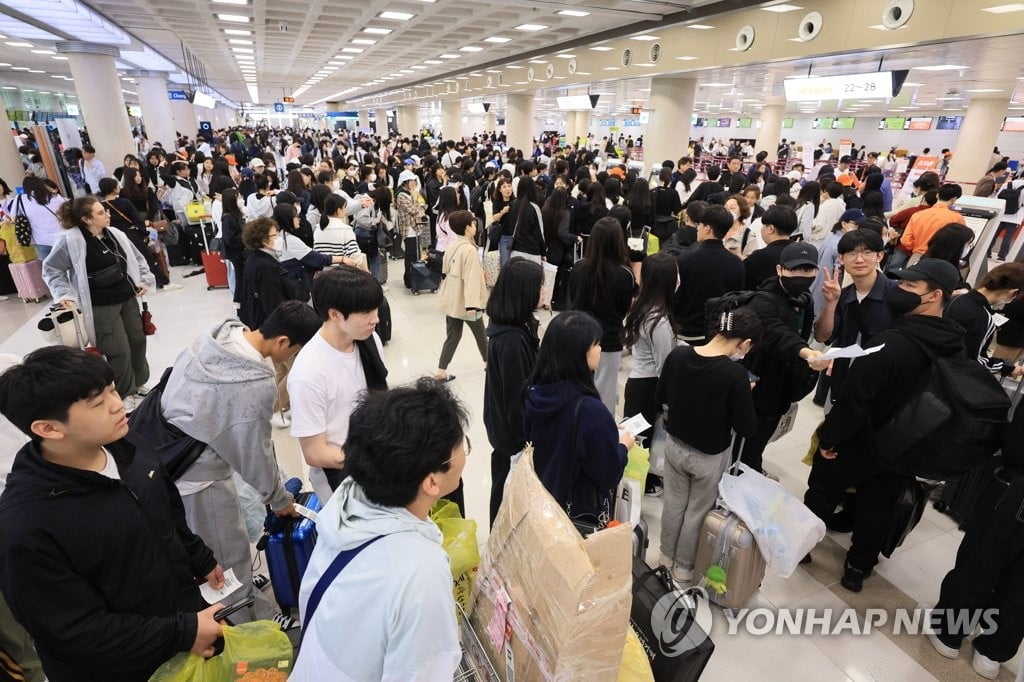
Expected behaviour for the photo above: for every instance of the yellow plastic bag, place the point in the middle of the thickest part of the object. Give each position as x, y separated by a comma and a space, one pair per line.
638, 463
653, 245
461, 545
813, 447
636, 667
253, 652
195, 211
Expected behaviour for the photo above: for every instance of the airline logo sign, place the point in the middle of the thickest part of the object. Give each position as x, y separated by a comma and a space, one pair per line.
859, 86
177, 94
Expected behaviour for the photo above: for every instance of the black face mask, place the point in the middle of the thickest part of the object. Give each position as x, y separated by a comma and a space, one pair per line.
795, 286
901, 301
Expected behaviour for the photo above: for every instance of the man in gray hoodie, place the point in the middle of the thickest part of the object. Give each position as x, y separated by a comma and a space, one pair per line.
222, 391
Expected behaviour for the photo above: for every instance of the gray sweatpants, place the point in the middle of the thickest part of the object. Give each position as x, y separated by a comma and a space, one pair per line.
690, 490
606, 378
214, 515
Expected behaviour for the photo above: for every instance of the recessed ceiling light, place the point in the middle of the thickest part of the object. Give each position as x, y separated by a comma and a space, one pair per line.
244, 50
237, 32
59, 57
940, 67
513, 66
329, 68
602, 48
16, 43
8, 87
19, 68
686, 58
344, 57
497, 39
363, 41
449, 56
41, 52
573, 13
566, 56
611, 68
781, 8
432, 61
35, 71
701, 27
239, 41
230, 2
471, 48
234, 18
397, 16
378, 31
643, 37
353, 50
537, 61
531, 27
1005, 9
985, 90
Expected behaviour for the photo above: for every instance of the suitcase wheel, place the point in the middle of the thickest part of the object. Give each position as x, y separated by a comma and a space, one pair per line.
415, 292
940, 506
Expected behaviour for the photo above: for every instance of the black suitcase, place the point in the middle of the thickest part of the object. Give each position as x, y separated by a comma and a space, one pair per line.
384, 321
423, 279
677, 647
176, 255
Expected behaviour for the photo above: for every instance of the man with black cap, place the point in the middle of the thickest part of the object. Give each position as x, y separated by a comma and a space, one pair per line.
783, 303
874, 387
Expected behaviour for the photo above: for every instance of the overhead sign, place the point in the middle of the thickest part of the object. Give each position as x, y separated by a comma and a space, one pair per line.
72, 109
279, 107
177, 94
288, 100
134, 110
858, 86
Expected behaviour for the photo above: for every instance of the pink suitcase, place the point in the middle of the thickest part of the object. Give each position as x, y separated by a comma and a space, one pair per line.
28, 277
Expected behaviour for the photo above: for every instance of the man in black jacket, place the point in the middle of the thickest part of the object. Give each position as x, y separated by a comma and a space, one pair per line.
779, 361
874, 387
708, 187
96, 560
777, 227
706, 270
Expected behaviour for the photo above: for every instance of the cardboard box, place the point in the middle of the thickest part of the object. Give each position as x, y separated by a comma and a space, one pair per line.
547, 604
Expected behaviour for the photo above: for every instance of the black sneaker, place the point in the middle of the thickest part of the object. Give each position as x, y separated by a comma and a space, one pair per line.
807, 559
853, 578
841, 521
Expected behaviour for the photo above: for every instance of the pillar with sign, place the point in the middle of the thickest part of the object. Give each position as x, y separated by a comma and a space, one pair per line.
185, 120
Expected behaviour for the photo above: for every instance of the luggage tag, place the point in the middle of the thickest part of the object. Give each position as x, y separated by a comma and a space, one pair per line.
306, 512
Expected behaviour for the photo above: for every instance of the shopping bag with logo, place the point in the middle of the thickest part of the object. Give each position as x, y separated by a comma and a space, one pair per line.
630, 493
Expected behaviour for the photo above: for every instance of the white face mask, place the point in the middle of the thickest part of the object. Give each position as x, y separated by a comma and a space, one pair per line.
737, 356
372, 178
735, 215
278, 246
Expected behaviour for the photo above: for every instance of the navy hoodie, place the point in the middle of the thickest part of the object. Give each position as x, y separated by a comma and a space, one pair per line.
581, 480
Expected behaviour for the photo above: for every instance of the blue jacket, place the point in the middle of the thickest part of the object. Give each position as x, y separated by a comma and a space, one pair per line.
584, 479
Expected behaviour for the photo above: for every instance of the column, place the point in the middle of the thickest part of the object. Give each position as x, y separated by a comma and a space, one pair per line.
185, 120
101, 100
978, 134
408, 120
770, 133
490, 122
519, 122
668, 133
382, 121
582, 124
451, 119
11, 169
570, 127
364, 118
156, 107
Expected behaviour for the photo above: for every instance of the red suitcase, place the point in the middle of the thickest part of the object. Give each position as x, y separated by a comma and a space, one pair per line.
28, 277
216, 270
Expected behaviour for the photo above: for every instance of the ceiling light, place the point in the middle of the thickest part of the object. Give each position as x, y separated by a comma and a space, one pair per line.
328, 68
497, 39
8, 87
701, 27
59, 57
602, 48
42, 51
417, 66
344, 56
432, 61
531, 27
611, 68
513, 66
985, 90
573, 13
19, 68
940, 67
230, 2
643, 37
537, 61
243, 50
781, 8
471, 48
1005, 9
240, 41
378, 31
237, 32
686, 58
566, 56
16, 43
406, 71
354, 50
363, 41
35, 71
449, 56
397, 16
234, 18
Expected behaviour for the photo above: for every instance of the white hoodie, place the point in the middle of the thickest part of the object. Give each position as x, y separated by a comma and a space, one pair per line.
390, 614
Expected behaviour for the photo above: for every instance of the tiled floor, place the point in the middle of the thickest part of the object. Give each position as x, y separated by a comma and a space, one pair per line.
911, 577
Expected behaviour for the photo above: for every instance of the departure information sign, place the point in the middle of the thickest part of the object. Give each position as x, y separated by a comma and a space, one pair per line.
858, 86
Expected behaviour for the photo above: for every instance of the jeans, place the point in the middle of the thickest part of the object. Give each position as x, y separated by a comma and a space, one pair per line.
42, 251
412, 254
374, 265
606, 378
505, 249
454, 335
120, 337
691, 487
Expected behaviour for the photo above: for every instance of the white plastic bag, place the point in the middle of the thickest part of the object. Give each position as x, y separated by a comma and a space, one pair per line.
784, 528
659, 440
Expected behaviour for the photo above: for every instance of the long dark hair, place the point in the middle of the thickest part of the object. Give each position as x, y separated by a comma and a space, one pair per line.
556, 206
383, 200
606, 251
332, 204
37, 189
130, 189
809, 194
596, 198
516, 293
229, 201
447, 200
526, 194
639, 201
948, 243
659, 275
563, 352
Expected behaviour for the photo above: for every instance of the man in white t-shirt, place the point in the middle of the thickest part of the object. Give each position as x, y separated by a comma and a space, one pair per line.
340, 361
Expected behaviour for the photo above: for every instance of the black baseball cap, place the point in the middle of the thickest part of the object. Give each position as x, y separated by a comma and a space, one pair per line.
799, 254
942, 274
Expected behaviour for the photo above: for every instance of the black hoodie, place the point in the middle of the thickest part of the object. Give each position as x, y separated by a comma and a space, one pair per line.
879, 383
511, 356
101, 573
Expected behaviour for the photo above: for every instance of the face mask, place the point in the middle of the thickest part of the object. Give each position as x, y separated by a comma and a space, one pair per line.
901, 301
351, 173
372, 178
735, 215
278, 246
737, 356
795, 286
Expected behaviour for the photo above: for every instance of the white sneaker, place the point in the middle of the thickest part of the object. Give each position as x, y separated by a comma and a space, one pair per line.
947, 651
286, 622
280, 420
172, 286
142, 391
985, 666
683, 576
4, 298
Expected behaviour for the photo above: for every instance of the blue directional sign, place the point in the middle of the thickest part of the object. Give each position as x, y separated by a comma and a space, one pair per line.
279, 107
177, 94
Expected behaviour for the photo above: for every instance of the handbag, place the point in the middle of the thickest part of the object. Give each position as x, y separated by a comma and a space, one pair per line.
171, 235
108, 276
906, 514
22, 227
492, 268
148, 328
195, 211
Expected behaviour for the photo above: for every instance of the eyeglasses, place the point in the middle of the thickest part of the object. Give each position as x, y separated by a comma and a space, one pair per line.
861, 254
468, 451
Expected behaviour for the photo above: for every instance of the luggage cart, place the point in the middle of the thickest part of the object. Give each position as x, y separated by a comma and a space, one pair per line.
475, 666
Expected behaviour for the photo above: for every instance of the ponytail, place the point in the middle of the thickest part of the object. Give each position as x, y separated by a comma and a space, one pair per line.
72, 213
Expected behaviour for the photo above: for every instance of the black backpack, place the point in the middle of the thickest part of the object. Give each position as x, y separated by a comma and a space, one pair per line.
477, 198
951, 422
1011, 196
149, 431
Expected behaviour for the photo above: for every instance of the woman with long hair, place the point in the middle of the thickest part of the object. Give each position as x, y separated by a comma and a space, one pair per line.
557, 224
975, 310
590, 211
232, 248
579, 452
334, 236
602, 284
527, 225
447, 203
40, 204
951, 243
96, 269
807, 202
511, 354
499, 220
